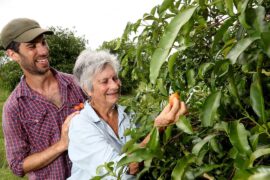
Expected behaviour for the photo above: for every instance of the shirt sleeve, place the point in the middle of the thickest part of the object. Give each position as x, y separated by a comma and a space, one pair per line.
16, 144
88, 148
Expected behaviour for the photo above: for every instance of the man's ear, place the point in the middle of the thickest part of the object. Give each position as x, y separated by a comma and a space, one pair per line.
13, 55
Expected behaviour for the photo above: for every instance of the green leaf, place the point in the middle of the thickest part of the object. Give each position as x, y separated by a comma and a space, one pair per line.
167, 40
220, 32
204, 68
206, 168
127, 31
209, 109
221, 126
261, 173
137, 156
165, 5
221, 68
191, 77
241, 161
242, 18
184, 124
215, 145
119, 40
258, 153
181, 166
167, 134
153, 143
254, 140
197, 148
238, 137
259, 21
153, 10
233, 89
171, 63
161, 87
240, 47
149, 17
219, 5
229, 6
257, 173
257, 98
265, 37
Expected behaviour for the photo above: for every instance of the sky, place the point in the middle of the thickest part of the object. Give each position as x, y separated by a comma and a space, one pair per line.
96, 20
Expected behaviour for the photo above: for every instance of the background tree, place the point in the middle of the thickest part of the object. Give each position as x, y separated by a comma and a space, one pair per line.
65, 47
127, 56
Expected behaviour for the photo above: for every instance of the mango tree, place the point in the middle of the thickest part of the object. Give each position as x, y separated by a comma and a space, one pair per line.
215, 53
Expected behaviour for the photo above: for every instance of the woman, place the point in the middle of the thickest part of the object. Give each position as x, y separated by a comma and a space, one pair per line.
97, 133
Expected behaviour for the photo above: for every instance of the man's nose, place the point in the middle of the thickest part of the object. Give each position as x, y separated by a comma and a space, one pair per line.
42, 49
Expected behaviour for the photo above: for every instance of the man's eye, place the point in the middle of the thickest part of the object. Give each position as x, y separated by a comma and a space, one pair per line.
44, 42
32, 46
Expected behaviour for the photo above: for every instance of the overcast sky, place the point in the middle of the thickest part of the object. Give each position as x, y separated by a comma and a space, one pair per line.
98, 20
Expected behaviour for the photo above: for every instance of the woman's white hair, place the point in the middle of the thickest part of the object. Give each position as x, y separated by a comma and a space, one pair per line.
89, 63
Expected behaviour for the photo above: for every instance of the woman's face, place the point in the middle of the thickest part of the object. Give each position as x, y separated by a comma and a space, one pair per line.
106, 87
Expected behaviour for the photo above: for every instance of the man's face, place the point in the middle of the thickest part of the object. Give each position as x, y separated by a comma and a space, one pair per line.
33, 57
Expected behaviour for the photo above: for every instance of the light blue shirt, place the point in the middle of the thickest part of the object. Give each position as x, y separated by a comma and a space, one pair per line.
93, 142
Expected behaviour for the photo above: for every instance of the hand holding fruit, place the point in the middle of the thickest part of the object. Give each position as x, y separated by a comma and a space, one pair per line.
171, 112
172, 97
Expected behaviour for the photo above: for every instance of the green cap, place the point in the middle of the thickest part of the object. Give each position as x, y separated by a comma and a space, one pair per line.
21, 30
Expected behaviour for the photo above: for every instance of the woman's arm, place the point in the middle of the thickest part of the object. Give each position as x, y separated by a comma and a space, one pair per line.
168, 116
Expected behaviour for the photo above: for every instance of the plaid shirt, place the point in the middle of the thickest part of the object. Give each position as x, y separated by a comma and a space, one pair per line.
31, 124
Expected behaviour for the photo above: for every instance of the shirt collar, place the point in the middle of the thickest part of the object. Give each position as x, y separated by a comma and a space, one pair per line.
25, 90
96, 118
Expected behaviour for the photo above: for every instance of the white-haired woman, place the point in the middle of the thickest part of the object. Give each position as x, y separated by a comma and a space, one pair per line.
97, 133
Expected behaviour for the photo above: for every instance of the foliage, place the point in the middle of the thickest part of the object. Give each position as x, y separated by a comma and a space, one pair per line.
64, 49
125, 54
216, 54
10, 74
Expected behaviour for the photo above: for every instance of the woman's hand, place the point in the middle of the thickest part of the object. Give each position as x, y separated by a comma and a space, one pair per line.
171, 113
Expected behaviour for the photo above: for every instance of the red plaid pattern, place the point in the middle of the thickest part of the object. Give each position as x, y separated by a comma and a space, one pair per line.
32, 124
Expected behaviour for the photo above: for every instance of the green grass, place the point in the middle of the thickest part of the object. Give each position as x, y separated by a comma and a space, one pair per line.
5, 173
3, 96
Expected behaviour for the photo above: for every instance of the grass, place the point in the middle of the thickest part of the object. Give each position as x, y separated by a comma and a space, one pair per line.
5, 172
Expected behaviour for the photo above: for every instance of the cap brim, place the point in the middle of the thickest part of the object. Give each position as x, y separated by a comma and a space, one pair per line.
31, 35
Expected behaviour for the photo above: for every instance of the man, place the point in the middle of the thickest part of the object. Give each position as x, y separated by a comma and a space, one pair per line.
35, 116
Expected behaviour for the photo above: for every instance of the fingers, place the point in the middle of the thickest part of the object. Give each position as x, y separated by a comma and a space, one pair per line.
171, 113
183, 109
176, 106
66, 124
69, 117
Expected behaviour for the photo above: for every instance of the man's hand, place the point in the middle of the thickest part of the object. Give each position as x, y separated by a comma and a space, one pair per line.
64, 140
41, 159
